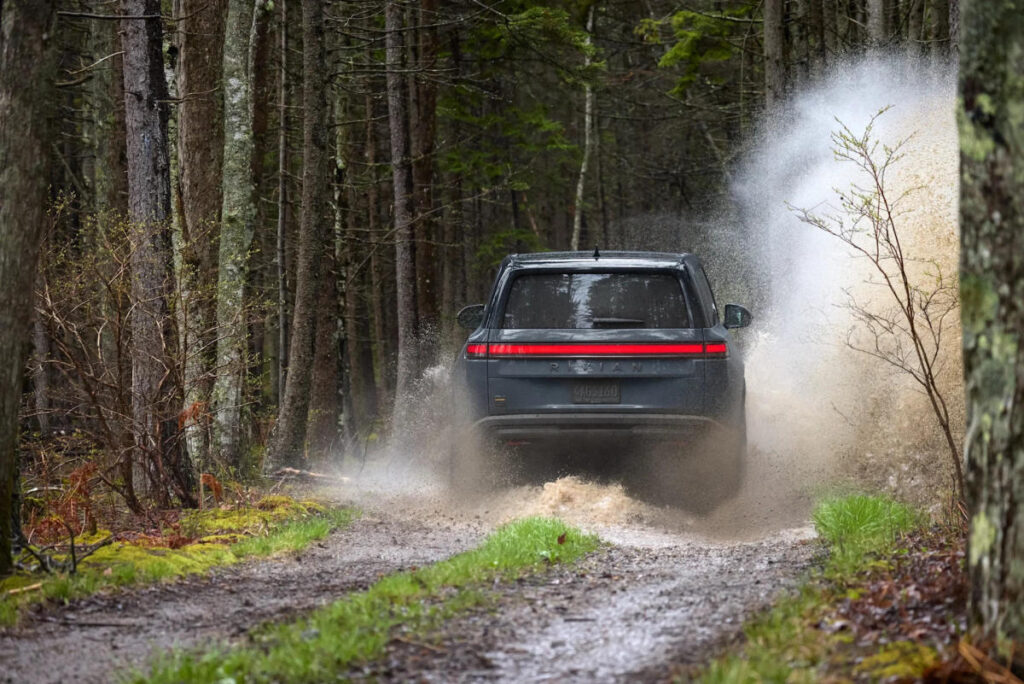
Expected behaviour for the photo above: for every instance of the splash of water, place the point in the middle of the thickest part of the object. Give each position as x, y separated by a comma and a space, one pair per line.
814, 403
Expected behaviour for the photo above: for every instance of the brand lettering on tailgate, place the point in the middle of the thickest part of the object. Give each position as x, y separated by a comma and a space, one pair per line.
589, 366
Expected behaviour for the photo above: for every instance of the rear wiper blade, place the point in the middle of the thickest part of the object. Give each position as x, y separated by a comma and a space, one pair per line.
618, 322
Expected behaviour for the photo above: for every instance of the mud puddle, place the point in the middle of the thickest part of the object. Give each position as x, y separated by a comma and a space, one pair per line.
624, 614
90, 639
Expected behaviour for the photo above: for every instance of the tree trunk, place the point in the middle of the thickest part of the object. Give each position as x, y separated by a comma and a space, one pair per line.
954, 29
816, 37
915, 26
378, 292
588, 140
940, 28
774, 46
262, 280
283, 207
27, 71
237, 215
876, 23
200, 155
323, 395
992, 286
424, 132
405, 273
290, 431
156, 401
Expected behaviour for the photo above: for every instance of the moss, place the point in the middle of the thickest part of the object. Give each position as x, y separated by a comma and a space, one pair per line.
903, 660
247, 520
274, 525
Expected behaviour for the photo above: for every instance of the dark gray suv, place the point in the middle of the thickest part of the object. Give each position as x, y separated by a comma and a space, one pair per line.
625, 351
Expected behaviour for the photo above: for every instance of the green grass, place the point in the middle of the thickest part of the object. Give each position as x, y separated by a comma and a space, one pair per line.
358, 628
857, 526
783, 644
272, 526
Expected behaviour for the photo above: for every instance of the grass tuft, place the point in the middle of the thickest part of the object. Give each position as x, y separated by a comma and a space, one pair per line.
858, 526
358, 628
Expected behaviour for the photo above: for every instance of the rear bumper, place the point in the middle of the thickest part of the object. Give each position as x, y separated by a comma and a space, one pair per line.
568, 426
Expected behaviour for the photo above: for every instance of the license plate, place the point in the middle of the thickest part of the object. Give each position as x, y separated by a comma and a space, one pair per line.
596, 392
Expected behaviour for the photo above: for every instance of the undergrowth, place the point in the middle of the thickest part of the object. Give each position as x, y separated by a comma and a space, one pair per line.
206, 539
785, 644
358, 628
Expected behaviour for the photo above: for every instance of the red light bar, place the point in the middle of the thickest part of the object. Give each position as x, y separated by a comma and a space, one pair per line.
479, 351
507, 350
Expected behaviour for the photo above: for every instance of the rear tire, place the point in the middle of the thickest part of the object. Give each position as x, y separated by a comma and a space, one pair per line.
702, 476
475, 463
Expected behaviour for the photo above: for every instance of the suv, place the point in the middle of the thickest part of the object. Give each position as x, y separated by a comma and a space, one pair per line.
619, 350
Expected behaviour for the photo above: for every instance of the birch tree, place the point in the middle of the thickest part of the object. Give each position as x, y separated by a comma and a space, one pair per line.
588, 134
27, 66
992, 286
237, 216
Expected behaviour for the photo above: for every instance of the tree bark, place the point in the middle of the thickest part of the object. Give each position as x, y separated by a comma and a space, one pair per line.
424, 132
283, 208
774, 47
238, 214
27, 96
992, 287
940, 27
290, 431
200, 156
405, 272
156, 401
876, 23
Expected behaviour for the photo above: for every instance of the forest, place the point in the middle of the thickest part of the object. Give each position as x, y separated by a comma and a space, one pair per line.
236, 233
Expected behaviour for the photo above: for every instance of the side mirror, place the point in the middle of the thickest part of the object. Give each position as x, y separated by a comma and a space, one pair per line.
737, 316
471, 317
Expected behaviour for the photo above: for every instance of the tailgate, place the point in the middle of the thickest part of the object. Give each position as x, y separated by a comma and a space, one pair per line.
543, 370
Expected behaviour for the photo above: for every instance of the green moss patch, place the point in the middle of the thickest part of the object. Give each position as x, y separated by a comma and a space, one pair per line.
357, 629
214, 537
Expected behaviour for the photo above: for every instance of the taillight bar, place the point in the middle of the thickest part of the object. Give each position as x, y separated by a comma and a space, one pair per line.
506, 350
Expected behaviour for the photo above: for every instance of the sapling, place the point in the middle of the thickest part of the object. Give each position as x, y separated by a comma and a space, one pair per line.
905, 328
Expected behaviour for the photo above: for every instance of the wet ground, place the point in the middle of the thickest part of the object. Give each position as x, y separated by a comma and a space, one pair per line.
88, 640
624, 614
668, 591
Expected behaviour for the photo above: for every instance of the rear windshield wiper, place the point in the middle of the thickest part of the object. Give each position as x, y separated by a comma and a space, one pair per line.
618, 323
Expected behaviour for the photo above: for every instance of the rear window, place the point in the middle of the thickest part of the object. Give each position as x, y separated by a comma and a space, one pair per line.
596, 300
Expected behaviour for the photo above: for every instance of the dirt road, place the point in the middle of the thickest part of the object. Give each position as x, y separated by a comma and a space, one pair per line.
665, 592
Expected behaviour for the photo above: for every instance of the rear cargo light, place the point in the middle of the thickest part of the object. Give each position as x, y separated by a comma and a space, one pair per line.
476, 351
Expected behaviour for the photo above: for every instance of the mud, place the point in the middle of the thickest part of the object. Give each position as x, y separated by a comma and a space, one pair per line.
624, 614
90, 639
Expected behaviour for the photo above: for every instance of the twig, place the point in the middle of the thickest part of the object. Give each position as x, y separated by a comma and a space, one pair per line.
22, 590
410, 642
